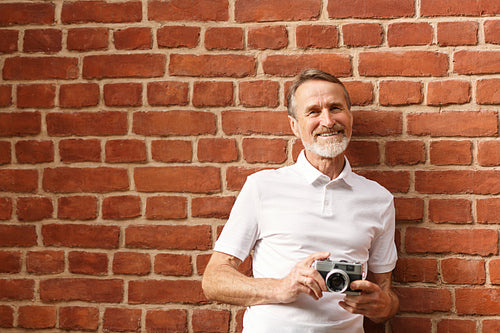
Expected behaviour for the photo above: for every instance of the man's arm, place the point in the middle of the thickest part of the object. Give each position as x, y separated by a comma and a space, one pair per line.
377, 300
222, 282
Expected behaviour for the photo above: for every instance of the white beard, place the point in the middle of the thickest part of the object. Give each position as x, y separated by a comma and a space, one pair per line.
328, 150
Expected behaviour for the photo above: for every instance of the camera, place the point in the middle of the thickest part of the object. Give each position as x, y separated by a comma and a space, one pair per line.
338, 275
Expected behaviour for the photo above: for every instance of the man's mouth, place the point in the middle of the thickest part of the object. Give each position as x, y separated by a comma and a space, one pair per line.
327, 134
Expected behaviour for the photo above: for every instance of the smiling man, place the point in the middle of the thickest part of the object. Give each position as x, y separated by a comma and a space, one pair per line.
295, 217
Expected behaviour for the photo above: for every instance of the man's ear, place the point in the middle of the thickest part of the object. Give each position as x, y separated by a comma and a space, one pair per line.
294, 125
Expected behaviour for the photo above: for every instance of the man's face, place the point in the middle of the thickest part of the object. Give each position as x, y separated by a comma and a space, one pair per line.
323, 120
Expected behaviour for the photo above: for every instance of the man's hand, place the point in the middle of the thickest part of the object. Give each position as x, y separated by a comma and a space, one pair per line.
302, 279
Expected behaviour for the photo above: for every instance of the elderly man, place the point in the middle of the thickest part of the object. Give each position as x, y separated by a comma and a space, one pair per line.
296, 215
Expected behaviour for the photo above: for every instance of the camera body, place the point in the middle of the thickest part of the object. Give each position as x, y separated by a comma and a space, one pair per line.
338, 275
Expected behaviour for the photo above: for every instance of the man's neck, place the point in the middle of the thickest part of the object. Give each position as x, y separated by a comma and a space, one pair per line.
331, 167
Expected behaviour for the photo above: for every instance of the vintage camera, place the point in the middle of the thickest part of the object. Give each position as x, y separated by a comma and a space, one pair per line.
338, 275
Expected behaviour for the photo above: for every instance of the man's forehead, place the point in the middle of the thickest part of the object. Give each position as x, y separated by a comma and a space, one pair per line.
311, 90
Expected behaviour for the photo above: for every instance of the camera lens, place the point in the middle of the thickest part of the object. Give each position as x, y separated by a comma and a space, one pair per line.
337, 281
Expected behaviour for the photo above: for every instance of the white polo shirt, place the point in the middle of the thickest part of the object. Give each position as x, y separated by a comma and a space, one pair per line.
289, 213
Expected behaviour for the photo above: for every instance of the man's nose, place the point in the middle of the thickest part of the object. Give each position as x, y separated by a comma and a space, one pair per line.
327, 118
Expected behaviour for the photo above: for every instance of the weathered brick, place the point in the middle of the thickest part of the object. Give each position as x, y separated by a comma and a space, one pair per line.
79, 318
487, 210
80, 235
123, 65
125, 151
212, 207
404, 152
208, 65
362, 34
488, 91
133, 38
87, 39
42, 40
494, 271
316, 36
77, 95
45, 262
27, 13
267, 37
173, 264
17, 289
174, 123
236, 176
211, 320
122, 320
31, 151
457, 33
477, 301
8, 40
36, 95
172, 291
424, 300
166, 207
91, 263
5, 95
360, 92
188, 10
37, 316
491, 325
217, 150
456, 325
224, 38
80, 150
101, 12
171, 151
275, 151
5, 152
192, 179
464, 8
259, 93
394, 181
458, 181
409, 209
20, 123
400, 92
196, 237
370, 8
416, 270
34, 208
86, 123
172, 320
463, 271
476, 62
81, 289
123, 94
99, 180
276, 10
132, 263
212, 94
291, 65
18, 180
378, 123
17, 235
252, 122
6, 316
450, 152
406, 324
10, 262
178, 36
450, 211
448, 92
363, 153
168, 93
40, 68
492, 32
121, 207
409, 33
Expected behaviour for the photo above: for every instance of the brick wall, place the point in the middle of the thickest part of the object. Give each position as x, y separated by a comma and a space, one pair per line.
127, 129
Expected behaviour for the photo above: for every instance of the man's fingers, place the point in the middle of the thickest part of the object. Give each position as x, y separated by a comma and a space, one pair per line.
315, 256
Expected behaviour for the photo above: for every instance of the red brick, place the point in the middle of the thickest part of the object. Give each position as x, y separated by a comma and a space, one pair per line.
123, 65
80, 235
86, 123
173, 264
202, 262
458, 181
27, 13
5, 152
456, 326
491, 325
494, 271
492, 32
17, 289
403, 63
17, 235
411, 325
81, 289
10, 262
424, 300
475, 301
168, 93
100, 180
409, 33
255, 122
370, 8
40, 68
78, 95
453, 123
401, 152
453, 8
20, 123
131, 263
230, 38
34, 208
121, 207
276, 10
487, 210
463, 271
91, 263
178, 36
316, 36
267, 37
205, 320
6, 316
8, 40
394, 181
42, 40
217, 150
5, 95
450, 211
477, 241
400, 92
133, 39
34, 151
416, 270
78, 318
476, 62
362, 34
450, 152
174, 123
182, 237
166, 208
77, 208
172, 291
171, 151
123, 151
87, 39
20, 180
123, 94
37, 316
5, 208
192, 179
212, 207
448, 92
236, 176
80, 150
122, 320
488, 91
291, 65
101, 12
457, 33
36, 95
275, 150
259, 93
211, 94
363, 153
360, 92
409, 209
166, 320
377, 123
45, 262
218, 65
188, 10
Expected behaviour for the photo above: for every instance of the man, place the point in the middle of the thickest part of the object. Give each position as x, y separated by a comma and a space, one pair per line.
295, 215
